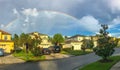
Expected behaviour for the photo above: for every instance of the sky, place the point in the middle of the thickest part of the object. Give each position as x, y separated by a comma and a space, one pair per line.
68, 17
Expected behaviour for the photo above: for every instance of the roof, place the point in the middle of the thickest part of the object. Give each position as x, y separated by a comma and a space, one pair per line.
6, 41
6, 33
73, 41
36, 32
77, 36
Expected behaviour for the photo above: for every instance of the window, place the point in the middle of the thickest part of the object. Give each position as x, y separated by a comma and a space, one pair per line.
2, 44
5, 37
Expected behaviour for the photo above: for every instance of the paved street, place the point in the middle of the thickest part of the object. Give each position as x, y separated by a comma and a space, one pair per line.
61, 64
57, 56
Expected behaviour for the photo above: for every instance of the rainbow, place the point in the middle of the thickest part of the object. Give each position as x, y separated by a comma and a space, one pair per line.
56, 12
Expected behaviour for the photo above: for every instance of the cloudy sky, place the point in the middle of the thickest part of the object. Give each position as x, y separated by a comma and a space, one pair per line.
68, 17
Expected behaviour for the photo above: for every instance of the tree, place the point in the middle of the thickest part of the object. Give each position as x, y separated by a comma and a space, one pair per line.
105, 44
16, 41
87, 44
58, 39
84, 45
28, 43
36, 49
49, 38
91, 43
23, 39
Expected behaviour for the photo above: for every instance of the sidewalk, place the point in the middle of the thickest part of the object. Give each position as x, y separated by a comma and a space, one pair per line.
116, 66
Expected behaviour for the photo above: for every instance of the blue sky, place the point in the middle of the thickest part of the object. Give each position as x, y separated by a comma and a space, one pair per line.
68, 17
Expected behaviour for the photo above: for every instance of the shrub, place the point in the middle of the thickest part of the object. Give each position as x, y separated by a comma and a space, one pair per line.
36, 51
105, 44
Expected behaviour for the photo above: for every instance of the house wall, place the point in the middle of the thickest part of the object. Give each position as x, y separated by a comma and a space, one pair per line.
76, 42
78, 38
0, 35
7, 46
89, 38
67, 46
76, 45
95, 43
8, 37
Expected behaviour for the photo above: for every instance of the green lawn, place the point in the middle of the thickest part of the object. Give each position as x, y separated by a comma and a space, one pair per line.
102, 66
28, 57
74, 52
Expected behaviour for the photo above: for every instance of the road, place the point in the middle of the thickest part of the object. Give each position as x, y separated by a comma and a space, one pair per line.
61, 64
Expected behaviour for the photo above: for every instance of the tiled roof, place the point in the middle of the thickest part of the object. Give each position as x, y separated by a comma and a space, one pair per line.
3, 32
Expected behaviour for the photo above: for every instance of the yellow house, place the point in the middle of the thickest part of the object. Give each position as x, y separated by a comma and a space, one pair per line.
5, 41
45, 43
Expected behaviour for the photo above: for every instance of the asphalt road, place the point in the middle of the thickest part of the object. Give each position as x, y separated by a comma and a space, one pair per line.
62, 64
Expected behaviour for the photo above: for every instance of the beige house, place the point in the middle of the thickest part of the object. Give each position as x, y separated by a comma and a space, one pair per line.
75, 42
45, 43
75, 45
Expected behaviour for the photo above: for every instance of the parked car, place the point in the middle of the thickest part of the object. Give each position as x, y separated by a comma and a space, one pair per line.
56, 49
46, 51
1, 52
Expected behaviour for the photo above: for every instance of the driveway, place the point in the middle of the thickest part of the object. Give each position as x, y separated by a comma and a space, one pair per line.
61, 64
10, 59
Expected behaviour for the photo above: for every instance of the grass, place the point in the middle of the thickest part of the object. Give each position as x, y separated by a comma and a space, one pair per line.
74, 52
28, 56
102, 66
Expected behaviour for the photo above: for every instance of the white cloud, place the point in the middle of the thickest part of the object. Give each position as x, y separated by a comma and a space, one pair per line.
30, 12
115, 22
114, 5
1, 25
50, 14
90, 23
16, 12
27, 19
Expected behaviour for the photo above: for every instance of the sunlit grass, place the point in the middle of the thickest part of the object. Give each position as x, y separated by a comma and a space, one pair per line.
102, 66
74, 52
28, 56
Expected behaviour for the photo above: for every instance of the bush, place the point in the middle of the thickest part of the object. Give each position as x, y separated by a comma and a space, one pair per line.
36, 51
104, 52
67, 49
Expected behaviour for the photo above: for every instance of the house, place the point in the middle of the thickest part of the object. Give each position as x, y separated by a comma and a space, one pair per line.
45, 43
75, 45
75, 42
5, 41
